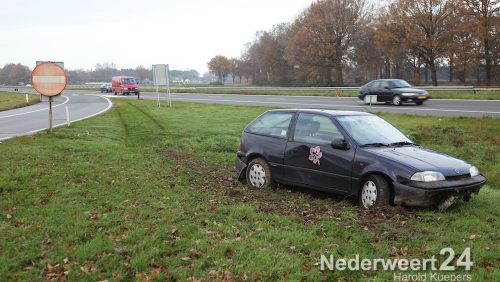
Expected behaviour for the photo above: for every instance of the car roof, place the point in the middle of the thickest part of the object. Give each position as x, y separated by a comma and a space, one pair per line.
387, 79
322, 111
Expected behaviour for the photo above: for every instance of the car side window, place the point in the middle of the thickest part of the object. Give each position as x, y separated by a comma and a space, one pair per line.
383, 84
273, 124
315, 129
375, 85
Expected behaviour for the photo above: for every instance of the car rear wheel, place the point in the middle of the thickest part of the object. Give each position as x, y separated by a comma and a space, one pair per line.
396, 100
375, 192
259, 174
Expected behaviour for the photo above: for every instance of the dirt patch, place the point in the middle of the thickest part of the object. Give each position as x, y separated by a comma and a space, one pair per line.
308, 205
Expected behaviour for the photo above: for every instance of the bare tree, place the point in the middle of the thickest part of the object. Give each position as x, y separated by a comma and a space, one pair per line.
324, 34
14, 74
423, 27
141, 73
485, 13
220, 66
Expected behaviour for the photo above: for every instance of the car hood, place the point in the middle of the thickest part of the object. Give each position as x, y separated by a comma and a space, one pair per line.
423, 159
410, 90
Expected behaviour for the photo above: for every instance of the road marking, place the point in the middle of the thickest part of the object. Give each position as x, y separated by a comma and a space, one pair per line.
110, 104
39, 110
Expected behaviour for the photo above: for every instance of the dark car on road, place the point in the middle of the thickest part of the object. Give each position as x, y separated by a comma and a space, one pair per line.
351, 153
106, 88
395, 91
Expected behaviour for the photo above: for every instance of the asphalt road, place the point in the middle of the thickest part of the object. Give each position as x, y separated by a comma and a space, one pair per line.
438, 107
83, 104
35, 118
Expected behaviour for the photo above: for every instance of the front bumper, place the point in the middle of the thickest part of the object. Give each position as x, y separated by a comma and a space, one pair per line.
415, 98
130, 90
240, 165
431, 194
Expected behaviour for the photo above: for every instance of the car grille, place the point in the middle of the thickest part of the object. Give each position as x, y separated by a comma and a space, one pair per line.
458, 177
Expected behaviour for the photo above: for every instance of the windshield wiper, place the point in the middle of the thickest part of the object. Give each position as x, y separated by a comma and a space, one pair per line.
402, 143
375, 145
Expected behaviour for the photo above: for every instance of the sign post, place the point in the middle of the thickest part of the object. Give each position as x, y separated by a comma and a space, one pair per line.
160, 77
49, 79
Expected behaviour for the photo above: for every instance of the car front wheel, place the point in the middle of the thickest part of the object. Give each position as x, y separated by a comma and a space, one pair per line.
375, 192
259, 174
396, 100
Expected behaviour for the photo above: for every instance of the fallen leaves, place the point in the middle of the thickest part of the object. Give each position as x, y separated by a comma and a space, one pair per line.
228, 253
59, 271
474, 236
195, 253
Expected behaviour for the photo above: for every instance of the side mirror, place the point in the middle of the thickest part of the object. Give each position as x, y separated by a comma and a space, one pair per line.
340, 144
386, 87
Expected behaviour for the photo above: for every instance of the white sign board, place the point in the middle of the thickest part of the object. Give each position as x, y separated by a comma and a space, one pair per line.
370, 99
160, 75
61, 64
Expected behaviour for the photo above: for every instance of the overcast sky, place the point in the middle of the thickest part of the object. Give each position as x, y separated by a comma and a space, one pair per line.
183, 33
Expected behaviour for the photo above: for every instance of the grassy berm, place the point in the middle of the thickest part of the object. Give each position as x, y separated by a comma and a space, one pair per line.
16, 100
146, 193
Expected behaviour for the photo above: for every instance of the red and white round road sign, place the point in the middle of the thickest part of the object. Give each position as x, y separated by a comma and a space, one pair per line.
48, 79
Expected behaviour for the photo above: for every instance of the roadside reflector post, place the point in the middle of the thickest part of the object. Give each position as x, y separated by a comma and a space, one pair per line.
158, 95
68, 122
27, 99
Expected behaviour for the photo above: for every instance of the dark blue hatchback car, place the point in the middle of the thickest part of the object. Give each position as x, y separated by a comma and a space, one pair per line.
352, 153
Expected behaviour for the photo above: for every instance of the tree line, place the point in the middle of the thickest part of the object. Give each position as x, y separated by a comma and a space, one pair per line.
341, 42
18, 74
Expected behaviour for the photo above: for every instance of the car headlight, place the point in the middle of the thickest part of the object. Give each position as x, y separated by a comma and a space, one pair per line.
473, 171
428, 176
408, 94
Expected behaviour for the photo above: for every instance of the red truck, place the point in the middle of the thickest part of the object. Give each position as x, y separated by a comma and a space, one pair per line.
124, 85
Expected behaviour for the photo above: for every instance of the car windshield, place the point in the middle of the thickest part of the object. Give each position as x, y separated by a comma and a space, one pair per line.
128, 81
400, 84
372, 130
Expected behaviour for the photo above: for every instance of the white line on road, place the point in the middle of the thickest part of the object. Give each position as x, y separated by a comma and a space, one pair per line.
39, 110
110, 104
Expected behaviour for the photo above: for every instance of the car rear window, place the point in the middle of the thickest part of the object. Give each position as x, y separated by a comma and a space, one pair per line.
271, 123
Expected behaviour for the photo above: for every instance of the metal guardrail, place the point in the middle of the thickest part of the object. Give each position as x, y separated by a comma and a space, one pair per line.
264, 88
273, 88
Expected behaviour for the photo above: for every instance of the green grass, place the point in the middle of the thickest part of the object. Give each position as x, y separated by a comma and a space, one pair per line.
144, 193
16, 100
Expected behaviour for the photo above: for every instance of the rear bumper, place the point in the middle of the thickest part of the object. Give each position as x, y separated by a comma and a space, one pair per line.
433, 193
